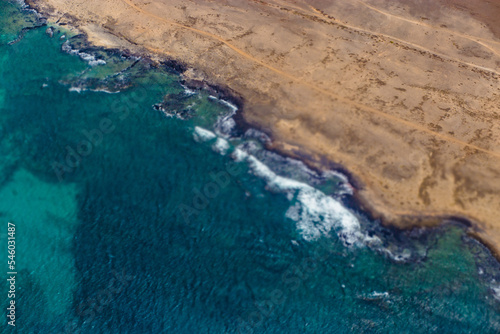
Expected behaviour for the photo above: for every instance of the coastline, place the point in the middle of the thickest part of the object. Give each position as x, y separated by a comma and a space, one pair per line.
317, 162
196, 215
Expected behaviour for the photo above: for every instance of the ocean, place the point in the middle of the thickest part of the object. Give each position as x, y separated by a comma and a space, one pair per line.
141, 206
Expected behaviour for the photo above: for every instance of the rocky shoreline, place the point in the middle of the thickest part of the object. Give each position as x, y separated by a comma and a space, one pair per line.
196, 81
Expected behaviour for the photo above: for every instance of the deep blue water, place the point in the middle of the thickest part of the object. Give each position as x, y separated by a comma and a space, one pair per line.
132, 220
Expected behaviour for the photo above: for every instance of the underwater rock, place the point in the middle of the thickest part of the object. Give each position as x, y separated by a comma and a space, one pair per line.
50, 32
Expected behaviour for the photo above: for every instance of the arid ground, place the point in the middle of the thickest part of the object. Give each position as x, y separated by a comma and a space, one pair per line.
405, 95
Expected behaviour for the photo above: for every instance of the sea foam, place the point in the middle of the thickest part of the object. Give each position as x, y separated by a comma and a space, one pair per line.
90, 59
315, 213
203, 135
496, 290
188, 91
221, 146
97, 90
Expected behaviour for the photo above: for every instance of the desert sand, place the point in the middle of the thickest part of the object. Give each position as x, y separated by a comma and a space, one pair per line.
404, 95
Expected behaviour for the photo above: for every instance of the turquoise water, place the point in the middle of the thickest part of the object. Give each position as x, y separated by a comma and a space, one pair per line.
132, 220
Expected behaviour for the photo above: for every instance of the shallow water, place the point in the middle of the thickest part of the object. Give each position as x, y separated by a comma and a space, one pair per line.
132, 220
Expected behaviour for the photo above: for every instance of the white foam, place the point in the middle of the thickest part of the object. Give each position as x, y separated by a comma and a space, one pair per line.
224, 102
231, 106
347, 188
221, 146
203, 135
379, 294
188, 91
98, 90
103, 90
75, 89
372, 241
273, 180
321, 214
375, 295
315, 213
239, 155
225, 125
22, 3
496, 292
90, 59
253, 133
402, 257
67, 48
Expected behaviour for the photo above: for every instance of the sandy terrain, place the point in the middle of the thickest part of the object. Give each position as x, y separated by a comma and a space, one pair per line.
405, 95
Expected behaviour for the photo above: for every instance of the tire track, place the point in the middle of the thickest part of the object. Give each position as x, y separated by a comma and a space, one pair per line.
476, 39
